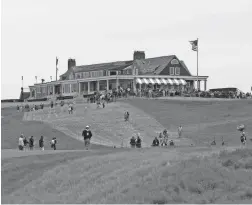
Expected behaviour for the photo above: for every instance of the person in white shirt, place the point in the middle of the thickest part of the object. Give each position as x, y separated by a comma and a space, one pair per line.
180, 131
21, 142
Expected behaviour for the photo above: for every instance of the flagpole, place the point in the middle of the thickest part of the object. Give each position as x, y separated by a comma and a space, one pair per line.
56, 68
197, 63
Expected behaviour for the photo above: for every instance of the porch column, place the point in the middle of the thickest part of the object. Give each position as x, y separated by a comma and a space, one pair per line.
98, 85
53, 90
70, 88
88, 87
79, 88
117, 83
134, 85
205, 85
107, 85
199, 84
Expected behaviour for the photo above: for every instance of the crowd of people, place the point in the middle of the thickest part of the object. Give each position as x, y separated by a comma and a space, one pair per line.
27, 107
28, 144
100, 99
165, 92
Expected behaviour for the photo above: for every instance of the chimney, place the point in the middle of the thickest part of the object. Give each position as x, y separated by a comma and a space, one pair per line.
138, 55
71, 63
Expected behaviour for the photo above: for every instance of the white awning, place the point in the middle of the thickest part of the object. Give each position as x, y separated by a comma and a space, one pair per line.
182, 81
157, 81
145, 81
152, 81
163, 81
176, 81
139, 81
170, 81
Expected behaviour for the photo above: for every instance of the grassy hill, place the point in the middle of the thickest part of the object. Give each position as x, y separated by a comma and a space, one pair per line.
151, 175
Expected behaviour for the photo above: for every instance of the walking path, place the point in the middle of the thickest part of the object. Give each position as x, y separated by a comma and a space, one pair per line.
108, 125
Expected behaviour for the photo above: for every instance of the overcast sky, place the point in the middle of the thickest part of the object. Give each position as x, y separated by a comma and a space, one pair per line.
34, 32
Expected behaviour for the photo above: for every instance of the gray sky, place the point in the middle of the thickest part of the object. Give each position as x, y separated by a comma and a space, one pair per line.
35, 32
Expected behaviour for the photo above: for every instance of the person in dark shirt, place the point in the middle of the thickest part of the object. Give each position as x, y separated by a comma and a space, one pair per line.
155, 142
138, 142
133, 142
87, 135
31, 143
243, 138
51, 104
126, 116
25, 143
41, 143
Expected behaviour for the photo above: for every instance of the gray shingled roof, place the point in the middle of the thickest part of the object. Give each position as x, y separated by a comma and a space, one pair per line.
145, 66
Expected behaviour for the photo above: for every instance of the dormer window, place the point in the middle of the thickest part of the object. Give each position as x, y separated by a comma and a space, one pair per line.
171, 70
177, 71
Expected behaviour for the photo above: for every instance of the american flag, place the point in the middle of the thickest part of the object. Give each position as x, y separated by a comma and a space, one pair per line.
194, 45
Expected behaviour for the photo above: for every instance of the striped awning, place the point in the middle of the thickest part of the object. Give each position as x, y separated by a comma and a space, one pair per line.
176, 81
157, 81
145, 81
152, 81
163, 81
182, 81
170, 81
139, 81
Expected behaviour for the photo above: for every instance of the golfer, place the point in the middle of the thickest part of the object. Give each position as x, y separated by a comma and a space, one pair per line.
87, 134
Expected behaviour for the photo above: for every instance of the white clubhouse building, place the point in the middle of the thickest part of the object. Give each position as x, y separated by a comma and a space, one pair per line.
165, 72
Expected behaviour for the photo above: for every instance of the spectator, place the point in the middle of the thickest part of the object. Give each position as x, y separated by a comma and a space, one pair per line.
243, 138
172, 143
180, 131
53, 143
25, 143
41, 143
133, 142
165, 137
126, 116
31, 143
87, 135
138, 141
155, 142
160, 138
21, 142
51, 104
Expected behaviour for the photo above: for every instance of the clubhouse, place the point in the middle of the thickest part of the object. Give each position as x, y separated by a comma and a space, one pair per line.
165, 72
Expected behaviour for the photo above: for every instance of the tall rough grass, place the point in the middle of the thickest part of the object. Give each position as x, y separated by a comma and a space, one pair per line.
145, 177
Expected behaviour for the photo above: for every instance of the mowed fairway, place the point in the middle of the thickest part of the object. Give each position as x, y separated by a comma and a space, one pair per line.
201, 120
121, 175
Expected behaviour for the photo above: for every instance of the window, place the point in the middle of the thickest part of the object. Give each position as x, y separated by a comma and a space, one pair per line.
66, 88
85, 74
74, 87
101, 73
77, 75
171, 70
174, 62
177, 71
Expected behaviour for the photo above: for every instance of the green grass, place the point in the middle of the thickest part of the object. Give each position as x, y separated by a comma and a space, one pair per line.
146, 176
201, 120
151, 175
12, 126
